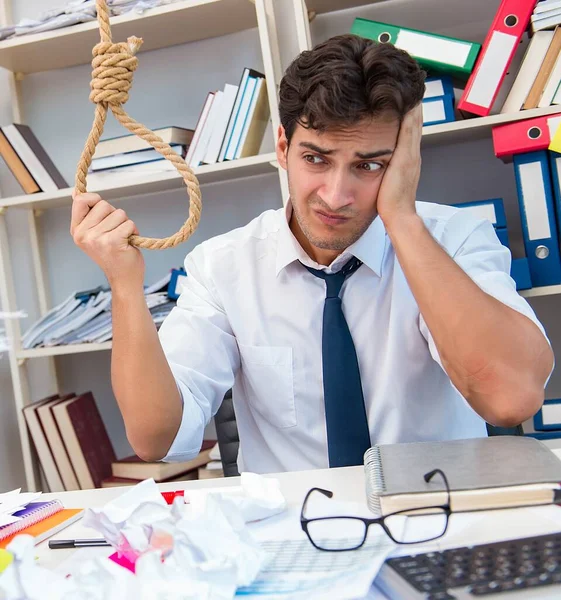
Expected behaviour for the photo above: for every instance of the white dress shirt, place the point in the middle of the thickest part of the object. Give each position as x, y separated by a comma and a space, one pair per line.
250, 318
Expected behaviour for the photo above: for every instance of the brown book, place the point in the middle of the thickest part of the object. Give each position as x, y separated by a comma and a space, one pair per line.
58, 449
121, 481
86, 439
41, 443
537, 89
17, 166
134, 467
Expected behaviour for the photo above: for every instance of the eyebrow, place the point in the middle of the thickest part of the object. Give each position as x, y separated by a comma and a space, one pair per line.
362, 155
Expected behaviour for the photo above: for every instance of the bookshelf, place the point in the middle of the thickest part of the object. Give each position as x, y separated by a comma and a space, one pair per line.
178, 23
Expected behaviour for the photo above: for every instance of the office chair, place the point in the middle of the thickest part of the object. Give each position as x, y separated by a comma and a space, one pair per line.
492, 430
227, 436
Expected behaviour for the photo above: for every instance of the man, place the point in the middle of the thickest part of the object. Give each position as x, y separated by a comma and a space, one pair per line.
354, 316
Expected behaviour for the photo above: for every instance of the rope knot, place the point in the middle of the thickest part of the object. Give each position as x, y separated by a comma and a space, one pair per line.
113, 66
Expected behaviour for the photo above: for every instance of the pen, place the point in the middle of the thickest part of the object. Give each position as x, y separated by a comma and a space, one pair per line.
59, 544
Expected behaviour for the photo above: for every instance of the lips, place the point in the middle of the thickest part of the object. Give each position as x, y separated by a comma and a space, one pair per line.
329, 219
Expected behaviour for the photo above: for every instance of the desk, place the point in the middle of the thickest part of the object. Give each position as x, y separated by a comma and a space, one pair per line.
347, 485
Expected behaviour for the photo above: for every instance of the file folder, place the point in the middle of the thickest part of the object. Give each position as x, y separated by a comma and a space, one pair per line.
174, 286
499, 47
549, 416
520, 272
502, 234
537, 215
528, 135
439, 53
492, 210
555, 170
438, 110
438, 86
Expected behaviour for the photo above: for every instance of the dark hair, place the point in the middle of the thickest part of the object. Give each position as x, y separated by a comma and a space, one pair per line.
346, 79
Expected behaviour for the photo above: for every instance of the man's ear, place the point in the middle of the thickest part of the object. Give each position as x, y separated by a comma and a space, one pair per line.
282, 148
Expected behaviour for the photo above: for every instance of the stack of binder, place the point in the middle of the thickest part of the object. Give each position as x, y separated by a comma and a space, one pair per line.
537, 172
481, 69
438, 101
494, 211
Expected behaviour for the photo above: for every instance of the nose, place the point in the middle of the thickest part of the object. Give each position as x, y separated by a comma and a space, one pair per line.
337, 190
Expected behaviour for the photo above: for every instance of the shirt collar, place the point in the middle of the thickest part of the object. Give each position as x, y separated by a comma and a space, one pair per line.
369, 248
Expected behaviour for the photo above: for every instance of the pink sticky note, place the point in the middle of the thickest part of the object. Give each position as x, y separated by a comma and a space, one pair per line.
123, 561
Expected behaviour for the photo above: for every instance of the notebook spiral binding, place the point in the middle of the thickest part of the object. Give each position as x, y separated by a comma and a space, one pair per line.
374, 477
31, 518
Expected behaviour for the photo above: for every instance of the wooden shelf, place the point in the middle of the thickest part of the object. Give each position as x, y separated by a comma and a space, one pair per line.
178, 23
478, 127
541, 291
62, 350
127, 185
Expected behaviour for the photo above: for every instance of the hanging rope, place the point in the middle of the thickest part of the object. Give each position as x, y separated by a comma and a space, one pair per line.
113, 68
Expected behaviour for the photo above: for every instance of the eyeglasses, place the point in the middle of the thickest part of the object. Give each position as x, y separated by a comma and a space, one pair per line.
342, 533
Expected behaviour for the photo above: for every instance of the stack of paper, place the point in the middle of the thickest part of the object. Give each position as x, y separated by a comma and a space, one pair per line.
85, 317
76, 11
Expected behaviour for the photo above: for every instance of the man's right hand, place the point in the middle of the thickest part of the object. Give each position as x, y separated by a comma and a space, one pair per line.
103, 232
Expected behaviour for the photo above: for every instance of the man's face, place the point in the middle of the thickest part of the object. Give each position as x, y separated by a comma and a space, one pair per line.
334, 178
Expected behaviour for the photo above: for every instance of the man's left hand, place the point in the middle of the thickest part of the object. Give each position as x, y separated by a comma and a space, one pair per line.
396, 197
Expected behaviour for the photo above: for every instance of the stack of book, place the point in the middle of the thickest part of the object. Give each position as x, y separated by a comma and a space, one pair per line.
131, 154
85, 317
27, 160
133, 470
232, 122
75, 451
478, 72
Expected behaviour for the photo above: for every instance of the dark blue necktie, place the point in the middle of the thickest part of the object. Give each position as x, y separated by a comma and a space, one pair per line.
348, 437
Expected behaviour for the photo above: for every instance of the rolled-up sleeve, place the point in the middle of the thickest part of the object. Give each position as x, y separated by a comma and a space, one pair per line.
202, 353
475, 247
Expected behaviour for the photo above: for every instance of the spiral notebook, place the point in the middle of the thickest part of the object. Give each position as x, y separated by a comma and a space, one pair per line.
483, 473
41, 520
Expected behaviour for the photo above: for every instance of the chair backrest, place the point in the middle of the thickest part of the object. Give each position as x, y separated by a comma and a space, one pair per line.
492, 430
227, 434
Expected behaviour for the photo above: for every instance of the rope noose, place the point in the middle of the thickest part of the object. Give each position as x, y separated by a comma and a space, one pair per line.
113, 68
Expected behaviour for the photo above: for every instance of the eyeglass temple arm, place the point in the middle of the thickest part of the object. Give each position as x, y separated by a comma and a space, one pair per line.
327, 493
428, 476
